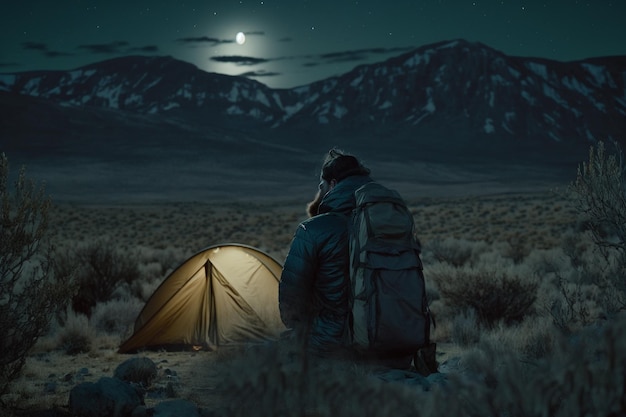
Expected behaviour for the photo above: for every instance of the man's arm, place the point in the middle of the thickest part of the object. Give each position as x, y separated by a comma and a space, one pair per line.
297, 279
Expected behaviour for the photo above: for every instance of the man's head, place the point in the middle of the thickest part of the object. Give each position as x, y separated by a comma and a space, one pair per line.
337, 166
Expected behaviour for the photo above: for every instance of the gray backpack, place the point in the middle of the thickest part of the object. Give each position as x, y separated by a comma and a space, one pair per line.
389, 306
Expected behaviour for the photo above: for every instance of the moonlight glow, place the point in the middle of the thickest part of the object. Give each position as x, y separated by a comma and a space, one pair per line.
240, 38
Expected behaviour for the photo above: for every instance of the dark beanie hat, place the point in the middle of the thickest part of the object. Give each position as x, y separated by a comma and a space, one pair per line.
339, 165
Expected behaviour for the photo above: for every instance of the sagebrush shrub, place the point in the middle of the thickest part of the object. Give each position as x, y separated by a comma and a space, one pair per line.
116, 317
600, 197
99, 267
30, 292
466, 329
457, 252
75, 336
494, 294
534, 338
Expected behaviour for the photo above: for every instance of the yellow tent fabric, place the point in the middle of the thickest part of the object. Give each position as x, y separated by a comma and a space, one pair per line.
224, 294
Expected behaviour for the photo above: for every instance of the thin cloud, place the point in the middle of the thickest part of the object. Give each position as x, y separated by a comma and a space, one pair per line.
349, 56
56, 54
203, 40
250, 74
240, 60
255, 33
111, 48
359, 54
116, 47
43, 49
35, 46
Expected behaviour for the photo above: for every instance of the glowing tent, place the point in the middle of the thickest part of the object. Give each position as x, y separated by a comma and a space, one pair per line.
224, 294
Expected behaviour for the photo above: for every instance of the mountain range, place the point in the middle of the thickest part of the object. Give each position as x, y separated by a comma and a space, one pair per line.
453, 103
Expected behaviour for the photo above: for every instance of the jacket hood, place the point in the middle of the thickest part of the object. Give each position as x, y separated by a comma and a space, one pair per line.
341, 198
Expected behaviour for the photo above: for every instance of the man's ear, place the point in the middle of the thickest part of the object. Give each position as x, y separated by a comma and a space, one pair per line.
332, 183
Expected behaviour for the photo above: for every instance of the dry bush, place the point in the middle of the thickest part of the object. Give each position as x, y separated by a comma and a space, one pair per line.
534, 338
456, 252
30, 292
569, 293
495, 294
75, 336
600, 196
466, 328
582, 377
143, 289
546, 262
99, 268
116, 317
152, 270
572, 304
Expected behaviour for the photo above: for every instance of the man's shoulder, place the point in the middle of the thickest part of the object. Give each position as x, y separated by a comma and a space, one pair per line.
323, 221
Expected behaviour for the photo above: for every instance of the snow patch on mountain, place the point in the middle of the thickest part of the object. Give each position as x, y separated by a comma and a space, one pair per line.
550, 92
7, 81
508, 118
185, 92
171, 105
417, 59
430, 105
327, 109
539, 69
448, 45
32, 87
488, 126
277, 100
426, 110
554, 136
386, 105
599, 77
133, 99
515, 73
528, 97
355, 83
573, 84
152, 84
111, 95
262, 98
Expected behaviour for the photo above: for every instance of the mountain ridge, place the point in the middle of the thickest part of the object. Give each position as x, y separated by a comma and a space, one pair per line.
452, 104
522, 98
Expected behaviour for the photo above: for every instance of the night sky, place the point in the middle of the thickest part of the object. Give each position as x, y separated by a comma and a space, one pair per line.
295, 42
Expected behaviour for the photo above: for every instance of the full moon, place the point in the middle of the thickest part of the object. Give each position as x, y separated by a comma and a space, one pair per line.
240, 38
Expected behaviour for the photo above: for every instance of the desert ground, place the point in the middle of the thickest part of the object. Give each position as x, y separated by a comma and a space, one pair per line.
475, 232
163, 235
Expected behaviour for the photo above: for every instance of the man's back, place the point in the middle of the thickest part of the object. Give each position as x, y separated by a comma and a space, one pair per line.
314, 288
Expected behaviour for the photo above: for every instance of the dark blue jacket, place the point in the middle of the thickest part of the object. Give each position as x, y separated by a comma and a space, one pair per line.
315, 283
